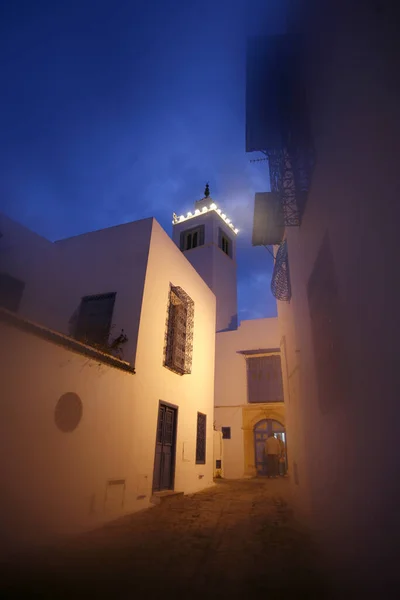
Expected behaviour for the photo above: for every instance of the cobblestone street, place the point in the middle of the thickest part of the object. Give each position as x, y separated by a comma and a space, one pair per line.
234, 540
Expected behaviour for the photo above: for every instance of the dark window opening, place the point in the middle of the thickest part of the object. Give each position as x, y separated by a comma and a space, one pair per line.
226, 433
201, 439
94, 320
11, 291
179, 332
218, 464
225, 243
264, 379
192, 238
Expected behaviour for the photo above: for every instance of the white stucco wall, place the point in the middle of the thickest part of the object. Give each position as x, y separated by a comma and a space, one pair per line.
225, 288
234, 463
56, 481
231, 383
216, 268
57, 275
350, 455
33, 259
218, 453
108, 260
230, 366
190, 393
292, 356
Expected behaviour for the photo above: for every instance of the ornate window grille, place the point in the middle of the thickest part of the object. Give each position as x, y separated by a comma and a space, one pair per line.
178, 347
201, 439
290, 175
278, 117
280, 284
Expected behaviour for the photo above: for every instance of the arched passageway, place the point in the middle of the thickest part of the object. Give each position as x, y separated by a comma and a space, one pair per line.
262, 430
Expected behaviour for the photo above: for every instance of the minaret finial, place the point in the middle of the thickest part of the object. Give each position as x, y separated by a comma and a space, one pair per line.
207, 191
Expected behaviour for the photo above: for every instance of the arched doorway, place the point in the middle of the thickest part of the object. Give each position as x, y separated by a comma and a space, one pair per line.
262, 430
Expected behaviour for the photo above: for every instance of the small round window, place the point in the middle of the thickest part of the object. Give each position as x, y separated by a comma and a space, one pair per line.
68, 412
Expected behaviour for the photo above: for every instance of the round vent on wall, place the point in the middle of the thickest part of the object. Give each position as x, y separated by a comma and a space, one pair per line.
68, 412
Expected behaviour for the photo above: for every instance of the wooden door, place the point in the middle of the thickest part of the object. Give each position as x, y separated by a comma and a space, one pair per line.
164, 463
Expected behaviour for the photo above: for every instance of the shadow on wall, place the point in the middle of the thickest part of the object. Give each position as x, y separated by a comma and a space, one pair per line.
114, 346
233, 325
72, 323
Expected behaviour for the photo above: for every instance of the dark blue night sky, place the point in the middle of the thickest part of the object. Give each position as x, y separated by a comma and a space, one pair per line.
112, 111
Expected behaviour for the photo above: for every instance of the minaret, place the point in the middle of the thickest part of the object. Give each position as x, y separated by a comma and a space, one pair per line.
207, 237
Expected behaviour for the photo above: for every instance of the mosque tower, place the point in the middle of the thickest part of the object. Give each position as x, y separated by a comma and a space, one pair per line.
207, 237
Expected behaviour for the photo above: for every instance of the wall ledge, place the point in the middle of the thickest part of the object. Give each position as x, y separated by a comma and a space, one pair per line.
15, 320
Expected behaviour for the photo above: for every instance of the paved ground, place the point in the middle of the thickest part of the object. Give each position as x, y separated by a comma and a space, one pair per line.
235, 540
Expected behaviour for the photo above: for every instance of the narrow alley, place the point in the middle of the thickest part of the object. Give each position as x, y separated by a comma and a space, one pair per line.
236, 539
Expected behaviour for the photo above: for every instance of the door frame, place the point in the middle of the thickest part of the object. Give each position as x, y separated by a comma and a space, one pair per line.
173, 451
267, 431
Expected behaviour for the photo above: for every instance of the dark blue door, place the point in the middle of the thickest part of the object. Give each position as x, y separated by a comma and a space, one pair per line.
164, 461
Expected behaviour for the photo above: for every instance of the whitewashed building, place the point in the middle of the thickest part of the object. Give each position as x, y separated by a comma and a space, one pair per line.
248, 378
107, 370
323, 105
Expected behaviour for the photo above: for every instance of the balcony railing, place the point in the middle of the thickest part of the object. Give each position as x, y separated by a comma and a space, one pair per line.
277, 121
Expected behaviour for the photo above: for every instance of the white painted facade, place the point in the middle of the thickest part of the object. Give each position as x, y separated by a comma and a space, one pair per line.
216, 268
232, 408
115, 440
33, 260
343, 414
218, 454
56, 481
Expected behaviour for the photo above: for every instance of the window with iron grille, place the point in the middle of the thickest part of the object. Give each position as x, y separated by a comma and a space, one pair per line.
264, 379
280, 283
179, 332
201, 439
11, 291
94, 319
226, 433
192, 238
225, 243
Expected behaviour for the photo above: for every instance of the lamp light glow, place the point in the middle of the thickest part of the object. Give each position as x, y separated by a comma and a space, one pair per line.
205, 209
